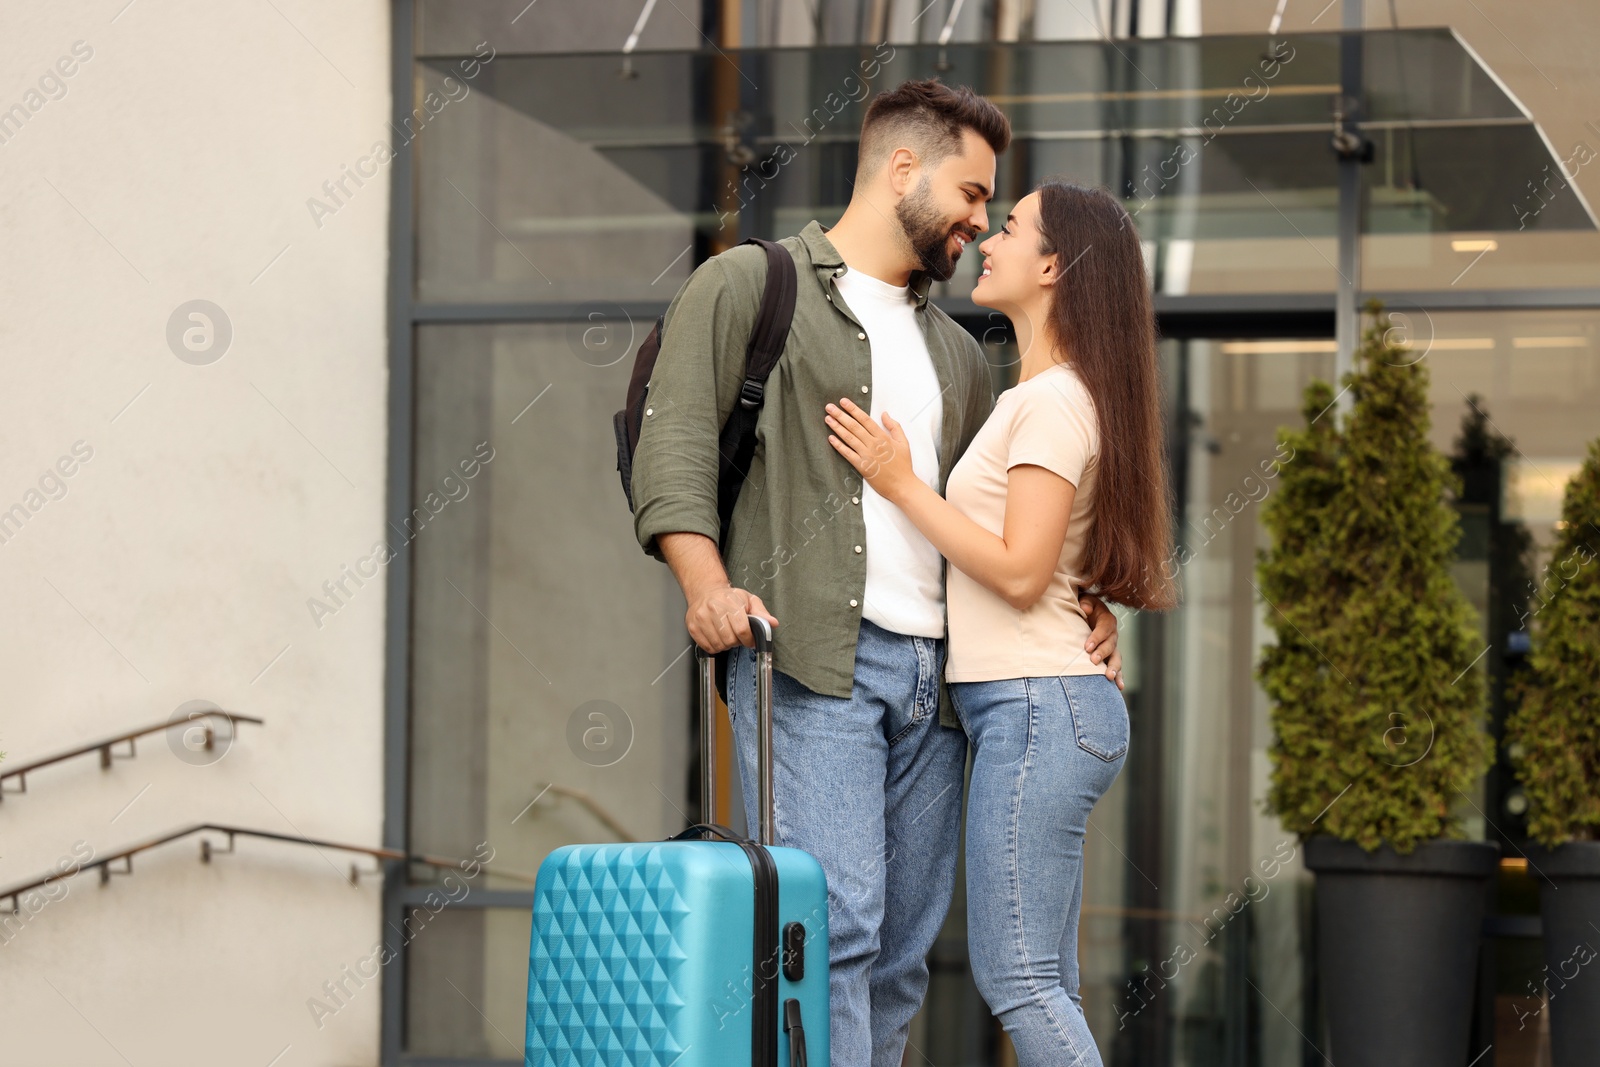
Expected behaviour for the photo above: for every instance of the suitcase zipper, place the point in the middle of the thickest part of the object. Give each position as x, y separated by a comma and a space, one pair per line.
764, 942
763, 868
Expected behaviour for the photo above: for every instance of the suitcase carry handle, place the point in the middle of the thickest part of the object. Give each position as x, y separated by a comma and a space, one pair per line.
703, 829
762, 631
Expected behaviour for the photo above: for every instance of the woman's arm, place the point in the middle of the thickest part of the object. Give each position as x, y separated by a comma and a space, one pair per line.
1016, 566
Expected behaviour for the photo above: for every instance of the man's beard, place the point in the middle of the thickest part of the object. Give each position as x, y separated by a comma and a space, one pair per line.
927, 231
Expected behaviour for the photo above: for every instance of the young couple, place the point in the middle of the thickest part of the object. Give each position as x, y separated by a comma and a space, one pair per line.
882, 455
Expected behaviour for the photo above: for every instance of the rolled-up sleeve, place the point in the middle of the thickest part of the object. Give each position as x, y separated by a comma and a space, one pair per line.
693, 389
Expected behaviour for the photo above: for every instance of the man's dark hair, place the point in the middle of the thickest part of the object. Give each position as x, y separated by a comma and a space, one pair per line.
929, 118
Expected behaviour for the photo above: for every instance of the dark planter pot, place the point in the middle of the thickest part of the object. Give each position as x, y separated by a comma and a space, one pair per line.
1397, 948
1569, 900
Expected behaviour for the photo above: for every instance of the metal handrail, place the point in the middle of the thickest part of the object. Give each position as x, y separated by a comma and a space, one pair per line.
207, 850
589, 804
103, 746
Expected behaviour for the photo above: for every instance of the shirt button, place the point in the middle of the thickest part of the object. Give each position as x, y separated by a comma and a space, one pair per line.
855, 500
836, 274
858, 548
863, 388
861, 336
649, 411
830, 298
852, 601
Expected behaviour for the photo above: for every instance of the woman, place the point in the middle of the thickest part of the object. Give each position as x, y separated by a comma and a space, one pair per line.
1025, 525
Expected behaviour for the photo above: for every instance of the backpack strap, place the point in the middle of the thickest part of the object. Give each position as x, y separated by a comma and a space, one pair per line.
737, 443
771, 329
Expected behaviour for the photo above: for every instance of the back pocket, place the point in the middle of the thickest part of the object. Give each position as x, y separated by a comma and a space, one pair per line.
1099, 714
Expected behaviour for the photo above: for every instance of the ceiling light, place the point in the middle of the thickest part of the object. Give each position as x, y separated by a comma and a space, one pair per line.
1549, 342
1242, 347
1454, 344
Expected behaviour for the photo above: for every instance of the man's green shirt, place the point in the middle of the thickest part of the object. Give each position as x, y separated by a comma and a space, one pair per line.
797, 539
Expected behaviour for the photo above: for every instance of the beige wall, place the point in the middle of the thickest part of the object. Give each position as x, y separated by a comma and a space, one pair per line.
217, 499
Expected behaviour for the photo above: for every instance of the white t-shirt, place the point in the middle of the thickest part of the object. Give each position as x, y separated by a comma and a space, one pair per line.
905, 591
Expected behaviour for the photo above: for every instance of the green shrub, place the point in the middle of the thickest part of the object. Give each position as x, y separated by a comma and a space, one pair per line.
1375, 679
1554, 735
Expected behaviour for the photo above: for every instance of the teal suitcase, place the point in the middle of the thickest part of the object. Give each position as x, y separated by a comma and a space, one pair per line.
705, 949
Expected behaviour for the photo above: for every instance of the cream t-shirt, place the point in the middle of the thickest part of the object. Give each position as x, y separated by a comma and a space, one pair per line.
1048, 421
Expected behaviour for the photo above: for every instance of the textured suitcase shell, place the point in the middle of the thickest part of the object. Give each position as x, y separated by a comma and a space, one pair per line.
641, 954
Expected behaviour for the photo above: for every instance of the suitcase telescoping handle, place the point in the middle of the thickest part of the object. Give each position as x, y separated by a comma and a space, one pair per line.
762, 632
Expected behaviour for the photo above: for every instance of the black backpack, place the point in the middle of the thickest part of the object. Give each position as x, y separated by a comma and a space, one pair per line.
737, 445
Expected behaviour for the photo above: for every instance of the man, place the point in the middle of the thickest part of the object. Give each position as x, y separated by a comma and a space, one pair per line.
867, 778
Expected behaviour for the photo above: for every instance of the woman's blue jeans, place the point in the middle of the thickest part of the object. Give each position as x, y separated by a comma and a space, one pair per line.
1044, 751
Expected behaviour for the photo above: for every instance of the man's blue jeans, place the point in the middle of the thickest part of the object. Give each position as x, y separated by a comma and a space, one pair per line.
1044, 750
870, 786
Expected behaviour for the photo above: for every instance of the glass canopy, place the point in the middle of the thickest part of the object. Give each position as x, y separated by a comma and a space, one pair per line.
1221, 139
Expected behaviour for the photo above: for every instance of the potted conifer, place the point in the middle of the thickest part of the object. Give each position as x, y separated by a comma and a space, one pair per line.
1377, 695
1554, 743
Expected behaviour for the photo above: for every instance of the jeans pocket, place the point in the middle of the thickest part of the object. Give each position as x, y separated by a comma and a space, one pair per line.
920, 714
1099, 715
924, 695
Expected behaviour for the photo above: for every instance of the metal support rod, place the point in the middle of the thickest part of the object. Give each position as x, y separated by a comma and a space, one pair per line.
878, 14
638, 27
633, 40
1277, 19
1347, 313
950, 23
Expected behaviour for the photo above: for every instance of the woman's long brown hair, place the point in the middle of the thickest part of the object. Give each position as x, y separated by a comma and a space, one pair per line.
1102, 315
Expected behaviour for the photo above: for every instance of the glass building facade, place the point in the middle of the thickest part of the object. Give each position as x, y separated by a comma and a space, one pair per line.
541, 686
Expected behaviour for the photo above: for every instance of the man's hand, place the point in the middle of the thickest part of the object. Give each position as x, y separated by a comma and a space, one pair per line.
718, 611
1102, 643
719, 618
